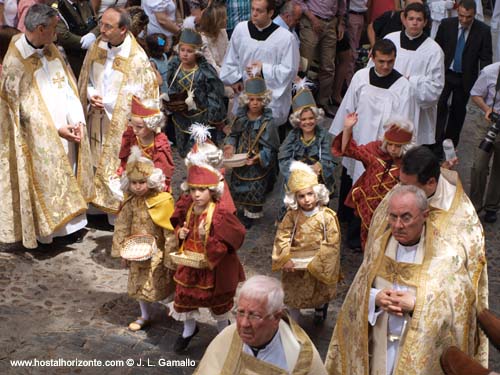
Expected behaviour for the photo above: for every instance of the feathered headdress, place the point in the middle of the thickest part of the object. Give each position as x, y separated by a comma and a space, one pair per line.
203, 151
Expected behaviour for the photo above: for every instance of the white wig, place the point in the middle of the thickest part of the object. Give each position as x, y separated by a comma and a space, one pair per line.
243, 99
322, 194
155, 181
266, 289
155, 122
403, 124
318, 113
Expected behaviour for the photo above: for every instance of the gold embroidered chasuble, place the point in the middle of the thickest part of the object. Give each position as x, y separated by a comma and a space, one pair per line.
390, 273
39, 191
452, 288
225, 355
131, 74
315, 242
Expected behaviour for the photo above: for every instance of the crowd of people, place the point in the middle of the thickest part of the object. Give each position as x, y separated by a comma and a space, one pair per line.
96, 96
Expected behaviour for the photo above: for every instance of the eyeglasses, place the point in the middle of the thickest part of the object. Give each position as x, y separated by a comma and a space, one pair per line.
406, 219
253, 317
106, 26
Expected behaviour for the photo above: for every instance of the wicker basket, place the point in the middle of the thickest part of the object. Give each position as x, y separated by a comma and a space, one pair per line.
190, 259
139, 247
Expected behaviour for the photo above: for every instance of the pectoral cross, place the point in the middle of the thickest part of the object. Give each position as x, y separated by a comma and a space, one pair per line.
58, 80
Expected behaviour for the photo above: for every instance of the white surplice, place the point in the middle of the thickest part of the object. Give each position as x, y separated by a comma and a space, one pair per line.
425, 71
64, 108
106, 81
279, 55
374, 106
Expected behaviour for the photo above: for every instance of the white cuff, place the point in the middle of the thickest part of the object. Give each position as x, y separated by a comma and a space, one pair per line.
372, 314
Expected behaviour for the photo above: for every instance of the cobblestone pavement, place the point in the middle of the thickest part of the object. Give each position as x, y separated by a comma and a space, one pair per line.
69, 302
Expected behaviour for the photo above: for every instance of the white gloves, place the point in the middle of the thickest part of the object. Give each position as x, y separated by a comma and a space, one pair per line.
87, 40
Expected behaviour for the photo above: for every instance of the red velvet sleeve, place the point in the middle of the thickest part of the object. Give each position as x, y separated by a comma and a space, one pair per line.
162, 157
366, 154
128, 140
227, 236
181, 208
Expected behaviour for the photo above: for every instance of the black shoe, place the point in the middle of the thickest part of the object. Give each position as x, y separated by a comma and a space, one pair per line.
76, 237
490, 216
247, 222
320, 315
182, 342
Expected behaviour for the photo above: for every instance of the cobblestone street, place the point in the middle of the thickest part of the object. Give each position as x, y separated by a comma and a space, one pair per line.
70, 302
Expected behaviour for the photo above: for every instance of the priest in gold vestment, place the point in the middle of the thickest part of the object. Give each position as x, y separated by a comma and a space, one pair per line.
450, 282
264, 340
115, 68
44, 151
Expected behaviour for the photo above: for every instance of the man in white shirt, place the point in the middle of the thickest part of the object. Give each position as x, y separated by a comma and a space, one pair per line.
261, 47
376, 94
289, 17
421, 60
8, 13
264, 339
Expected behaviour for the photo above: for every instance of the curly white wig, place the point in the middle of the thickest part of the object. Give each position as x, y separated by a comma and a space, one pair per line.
318, 113
401, 123
155, 123
243, 98
155, 182
216, 191
322, 194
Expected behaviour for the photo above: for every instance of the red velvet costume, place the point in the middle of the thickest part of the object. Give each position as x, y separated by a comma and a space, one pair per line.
212, 287
380, 175
159, 152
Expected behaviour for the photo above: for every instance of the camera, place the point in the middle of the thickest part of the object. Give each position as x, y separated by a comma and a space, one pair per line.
490, 137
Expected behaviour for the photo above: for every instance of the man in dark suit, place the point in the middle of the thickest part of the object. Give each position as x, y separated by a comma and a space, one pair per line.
466, 43
76, 30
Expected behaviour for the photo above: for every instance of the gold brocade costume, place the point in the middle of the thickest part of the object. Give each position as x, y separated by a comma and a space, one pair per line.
150, 280
39, 192
317, 238
225, 355
452, 288
136, 73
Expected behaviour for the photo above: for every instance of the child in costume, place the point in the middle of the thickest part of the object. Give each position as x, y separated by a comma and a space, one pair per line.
146, 211
382, 161
205, 151
157, 47
307, 245
254, 134
209, 235
308, 141
144, 131
195, 92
